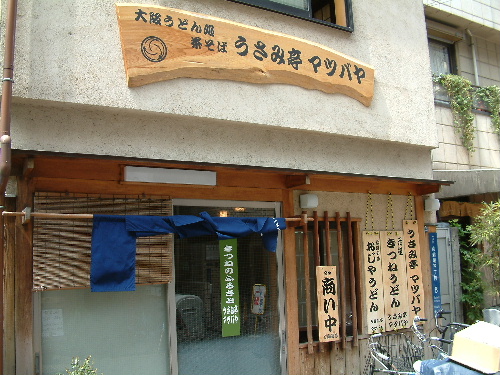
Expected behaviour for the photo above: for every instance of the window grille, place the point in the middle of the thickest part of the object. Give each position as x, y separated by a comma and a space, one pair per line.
331, 241
62, 247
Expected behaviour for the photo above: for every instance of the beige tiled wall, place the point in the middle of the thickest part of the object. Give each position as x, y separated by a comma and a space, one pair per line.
451, 155
487, 60
485, 12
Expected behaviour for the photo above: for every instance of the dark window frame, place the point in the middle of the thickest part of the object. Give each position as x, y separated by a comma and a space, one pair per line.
303, 14
452, 58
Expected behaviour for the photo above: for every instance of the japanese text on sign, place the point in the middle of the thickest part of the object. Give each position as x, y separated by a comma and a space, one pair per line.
163, 43
328, 314
230, 295
414, 268
395, 280
373, 278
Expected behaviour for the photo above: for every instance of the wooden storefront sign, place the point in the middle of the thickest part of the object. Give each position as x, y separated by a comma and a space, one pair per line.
328, 311
161, 43
373, 279
395, 280
414, 268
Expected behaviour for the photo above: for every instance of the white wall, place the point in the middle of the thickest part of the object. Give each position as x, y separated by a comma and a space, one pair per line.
134, 134
71, 52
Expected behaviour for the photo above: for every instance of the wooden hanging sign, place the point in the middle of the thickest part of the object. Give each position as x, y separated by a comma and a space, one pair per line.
395, 280
414, 268
328, 303
161, 43
373, 279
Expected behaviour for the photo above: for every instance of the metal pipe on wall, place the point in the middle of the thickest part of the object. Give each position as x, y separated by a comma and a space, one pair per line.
474, 57
5, 142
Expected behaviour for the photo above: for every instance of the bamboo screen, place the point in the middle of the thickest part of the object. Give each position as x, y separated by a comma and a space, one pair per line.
61, 247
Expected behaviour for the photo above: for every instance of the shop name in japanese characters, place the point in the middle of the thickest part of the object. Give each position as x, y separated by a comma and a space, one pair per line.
165, 39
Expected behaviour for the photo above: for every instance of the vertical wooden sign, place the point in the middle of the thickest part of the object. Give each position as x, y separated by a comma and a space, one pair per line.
328, 313
395, 280
372, 278
414, 268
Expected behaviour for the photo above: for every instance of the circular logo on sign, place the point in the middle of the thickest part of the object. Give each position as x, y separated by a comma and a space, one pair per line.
154, 49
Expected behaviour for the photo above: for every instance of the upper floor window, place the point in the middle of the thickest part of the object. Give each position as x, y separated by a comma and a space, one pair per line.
442, 57
334, 13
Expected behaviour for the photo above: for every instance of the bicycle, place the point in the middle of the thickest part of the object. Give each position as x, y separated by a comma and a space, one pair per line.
430, 342
448, 330
441, 346
393, 353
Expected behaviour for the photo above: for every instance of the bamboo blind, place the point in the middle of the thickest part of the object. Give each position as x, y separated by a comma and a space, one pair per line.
61, 247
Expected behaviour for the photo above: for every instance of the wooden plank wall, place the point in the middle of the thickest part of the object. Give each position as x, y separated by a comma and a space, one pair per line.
336, 361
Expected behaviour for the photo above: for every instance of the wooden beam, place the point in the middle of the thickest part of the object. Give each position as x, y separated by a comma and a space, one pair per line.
307, 282
24, 283
292, 313
28, 167
317, 258
293, 181
110, 170
358, 269
352, 280
342, 312
327, 239
174, 191
9, 365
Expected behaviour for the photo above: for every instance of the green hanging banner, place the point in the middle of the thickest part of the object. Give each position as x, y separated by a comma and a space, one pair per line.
230, 293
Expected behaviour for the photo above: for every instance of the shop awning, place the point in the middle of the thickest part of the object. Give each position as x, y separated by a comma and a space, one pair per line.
468, 182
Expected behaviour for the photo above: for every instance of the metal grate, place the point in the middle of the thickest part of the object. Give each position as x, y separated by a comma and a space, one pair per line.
61, 248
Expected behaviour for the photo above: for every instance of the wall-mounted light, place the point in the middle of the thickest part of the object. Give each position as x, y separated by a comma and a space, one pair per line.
431, 204
169, 176
223, 213
308, 201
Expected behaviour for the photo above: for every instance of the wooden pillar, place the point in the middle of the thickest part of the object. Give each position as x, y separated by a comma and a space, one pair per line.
292, 317
9, 363
24, 283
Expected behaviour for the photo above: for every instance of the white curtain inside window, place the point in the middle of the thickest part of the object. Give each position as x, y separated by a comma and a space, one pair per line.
299, 4
440, 58
126, 333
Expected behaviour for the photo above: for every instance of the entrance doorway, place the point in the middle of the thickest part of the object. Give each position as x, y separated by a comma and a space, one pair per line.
201, 347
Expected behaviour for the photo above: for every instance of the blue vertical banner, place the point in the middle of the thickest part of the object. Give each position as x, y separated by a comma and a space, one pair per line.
436, 287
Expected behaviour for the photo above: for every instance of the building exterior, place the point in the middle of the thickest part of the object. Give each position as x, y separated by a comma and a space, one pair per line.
467, 34
464, 40
87, 139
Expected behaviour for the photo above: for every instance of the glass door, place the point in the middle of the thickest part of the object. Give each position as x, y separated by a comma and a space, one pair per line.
197, 336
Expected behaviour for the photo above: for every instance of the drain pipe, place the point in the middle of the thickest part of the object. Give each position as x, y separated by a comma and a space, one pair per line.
5, 142
474, 58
